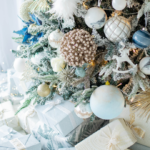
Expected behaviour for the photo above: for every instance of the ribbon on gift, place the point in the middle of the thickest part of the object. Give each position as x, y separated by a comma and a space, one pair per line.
18, 144
138, 131
30, 113
111, 139
52, 104
9, 135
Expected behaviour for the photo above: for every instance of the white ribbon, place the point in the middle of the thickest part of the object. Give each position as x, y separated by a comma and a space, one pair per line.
52, 104
17, 144
111, 140
2, 113
30, 113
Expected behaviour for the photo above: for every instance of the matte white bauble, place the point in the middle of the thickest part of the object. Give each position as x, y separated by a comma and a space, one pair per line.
37, 58
83, 110
145, 65
55, 38
117, 28
119, 4
19, 64
95, 17
107, 102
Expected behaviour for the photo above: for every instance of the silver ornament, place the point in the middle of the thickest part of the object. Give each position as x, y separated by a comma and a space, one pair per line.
117, 28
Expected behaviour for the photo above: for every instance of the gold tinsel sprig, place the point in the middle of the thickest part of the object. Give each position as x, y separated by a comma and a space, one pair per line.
141, 104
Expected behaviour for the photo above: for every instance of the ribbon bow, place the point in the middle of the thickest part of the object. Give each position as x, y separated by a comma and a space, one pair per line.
52, 104
10, 135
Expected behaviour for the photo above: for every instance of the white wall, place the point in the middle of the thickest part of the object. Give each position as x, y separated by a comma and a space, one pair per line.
9, 21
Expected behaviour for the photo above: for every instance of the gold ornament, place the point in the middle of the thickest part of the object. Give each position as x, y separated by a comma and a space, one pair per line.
43, 90
24, 10
39, 5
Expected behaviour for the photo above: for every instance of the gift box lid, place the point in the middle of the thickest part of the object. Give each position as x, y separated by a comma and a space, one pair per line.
28, 141
58, 112
7, 133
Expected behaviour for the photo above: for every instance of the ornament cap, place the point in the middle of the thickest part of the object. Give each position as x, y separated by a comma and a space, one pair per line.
144, 29
107, 83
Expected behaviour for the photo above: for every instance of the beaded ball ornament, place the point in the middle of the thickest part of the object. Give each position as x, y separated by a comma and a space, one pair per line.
78, 47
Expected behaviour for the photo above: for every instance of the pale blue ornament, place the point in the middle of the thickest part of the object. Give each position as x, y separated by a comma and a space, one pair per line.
80, 72
107, 102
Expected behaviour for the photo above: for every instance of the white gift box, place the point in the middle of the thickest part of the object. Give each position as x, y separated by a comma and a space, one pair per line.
140, 122
7, 115
61, 117
28, 118
115, 136
67, 148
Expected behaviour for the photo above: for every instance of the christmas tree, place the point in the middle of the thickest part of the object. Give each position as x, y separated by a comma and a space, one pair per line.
94, 53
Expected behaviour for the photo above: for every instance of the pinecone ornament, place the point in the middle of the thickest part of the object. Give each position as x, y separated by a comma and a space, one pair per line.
117, 28
78, 47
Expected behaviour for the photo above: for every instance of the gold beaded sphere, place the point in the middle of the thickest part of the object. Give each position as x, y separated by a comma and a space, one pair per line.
43, 90
78, 47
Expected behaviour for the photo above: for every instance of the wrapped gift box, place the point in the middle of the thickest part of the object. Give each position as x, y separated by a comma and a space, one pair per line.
61, 117
7, 133
49, 139
28, 118
141, 122
139, 147
116, 135
7, 115
27, 142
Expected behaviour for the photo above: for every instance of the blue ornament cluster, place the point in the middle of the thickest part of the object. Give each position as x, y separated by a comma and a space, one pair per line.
141, 39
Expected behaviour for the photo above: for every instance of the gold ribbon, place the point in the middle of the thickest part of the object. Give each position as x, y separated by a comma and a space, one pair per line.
18, 144
138, 131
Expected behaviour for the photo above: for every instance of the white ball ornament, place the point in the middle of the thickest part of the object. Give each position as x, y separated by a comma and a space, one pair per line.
145, 65
55, 38
107, 102
95, 17
19, 64
117, 28
37, 58
119, 4
83, 110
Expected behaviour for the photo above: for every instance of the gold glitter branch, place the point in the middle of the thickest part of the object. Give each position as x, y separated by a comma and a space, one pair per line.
141, 104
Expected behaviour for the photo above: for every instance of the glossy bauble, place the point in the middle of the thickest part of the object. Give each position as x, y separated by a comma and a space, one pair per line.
24, 10
19, 64
145, 65
141, 39
117, 28
119, 4
43, 90
95, 18
83, 110
107, 102
37, 58
55, 38
32, 26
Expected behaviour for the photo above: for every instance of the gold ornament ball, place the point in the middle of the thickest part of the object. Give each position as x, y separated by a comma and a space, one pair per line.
43, 90
24, 10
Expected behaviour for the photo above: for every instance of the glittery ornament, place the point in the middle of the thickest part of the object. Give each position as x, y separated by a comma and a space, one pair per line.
43, 90
31, 26
117, 28
24, 10
83, 110
78, 47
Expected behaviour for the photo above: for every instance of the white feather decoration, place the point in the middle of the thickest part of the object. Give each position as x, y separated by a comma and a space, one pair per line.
64, 9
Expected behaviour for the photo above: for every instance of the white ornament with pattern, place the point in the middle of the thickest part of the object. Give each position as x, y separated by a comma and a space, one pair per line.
117, 28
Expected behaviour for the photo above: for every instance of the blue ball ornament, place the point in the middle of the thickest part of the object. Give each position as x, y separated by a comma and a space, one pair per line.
141, 39
107, 102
